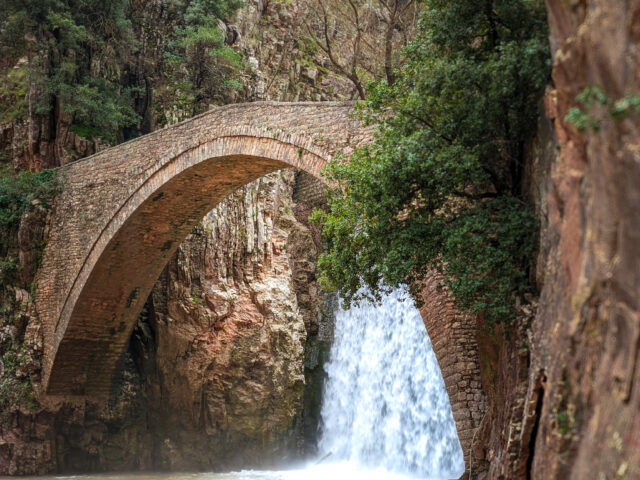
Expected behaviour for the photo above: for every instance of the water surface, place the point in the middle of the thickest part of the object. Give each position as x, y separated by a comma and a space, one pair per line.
335, 471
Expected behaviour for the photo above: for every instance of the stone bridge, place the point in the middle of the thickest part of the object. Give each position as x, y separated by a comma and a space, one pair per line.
124, 211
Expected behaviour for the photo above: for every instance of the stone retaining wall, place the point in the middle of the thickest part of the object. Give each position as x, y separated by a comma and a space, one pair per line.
453, 336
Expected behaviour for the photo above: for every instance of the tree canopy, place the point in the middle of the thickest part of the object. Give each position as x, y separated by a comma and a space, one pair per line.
442, 184
79, 53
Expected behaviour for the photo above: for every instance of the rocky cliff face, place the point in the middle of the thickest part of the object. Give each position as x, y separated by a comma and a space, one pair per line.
222, 341
561, 387
283, 65
228, 345
587, 331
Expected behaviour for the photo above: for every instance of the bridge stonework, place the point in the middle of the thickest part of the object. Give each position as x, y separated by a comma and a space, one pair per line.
453, 335
123, 212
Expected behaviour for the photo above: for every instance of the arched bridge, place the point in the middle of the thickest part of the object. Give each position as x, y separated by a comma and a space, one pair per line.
123, 212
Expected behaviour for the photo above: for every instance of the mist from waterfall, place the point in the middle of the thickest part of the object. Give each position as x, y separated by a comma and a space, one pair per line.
385, 405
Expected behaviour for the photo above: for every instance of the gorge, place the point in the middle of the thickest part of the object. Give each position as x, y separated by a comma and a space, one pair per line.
140, 333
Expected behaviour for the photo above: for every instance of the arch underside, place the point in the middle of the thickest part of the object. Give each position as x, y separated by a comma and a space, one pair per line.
125, 210
90, 341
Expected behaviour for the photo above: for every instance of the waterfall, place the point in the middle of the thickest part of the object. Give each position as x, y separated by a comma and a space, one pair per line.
385, 405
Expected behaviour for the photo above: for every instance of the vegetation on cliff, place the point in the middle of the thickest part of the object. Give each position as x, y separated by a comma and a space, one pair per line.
361, 40
442, 184
25, 198
16, 366
18, 193
97, 63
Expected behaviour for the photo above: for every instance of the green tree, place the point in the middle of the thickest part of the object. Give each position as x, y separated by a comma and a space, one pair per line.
442, 184
198, 49
80, 53
75, 49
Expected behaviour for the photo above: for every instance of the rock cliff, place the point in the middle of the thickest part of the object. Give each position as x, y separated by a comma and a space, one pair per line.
228, 343
586, 338
221, 343
561, 386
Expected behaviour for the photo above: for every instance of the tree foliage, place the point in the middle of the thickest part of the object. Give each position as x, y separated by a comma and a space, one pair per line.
442, 184
17, 192
79, 53
63, 41
199, 64
361, 39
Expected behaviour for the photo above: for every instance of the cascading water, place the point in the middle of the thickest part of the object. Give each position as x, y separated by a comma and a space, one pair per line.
385, 405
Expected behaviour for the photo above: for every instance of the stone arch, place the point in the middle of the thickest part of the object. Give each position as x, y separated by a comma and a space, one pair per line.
131, 251
137, 213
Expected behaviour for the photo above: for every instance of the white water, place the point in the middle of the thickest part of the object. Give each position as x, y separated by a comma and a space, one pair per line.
385, 406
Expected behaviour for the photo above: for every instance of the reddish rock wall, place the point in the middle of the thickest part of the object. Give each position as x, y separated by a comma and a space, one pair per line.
223, 337
587, 331
561, 385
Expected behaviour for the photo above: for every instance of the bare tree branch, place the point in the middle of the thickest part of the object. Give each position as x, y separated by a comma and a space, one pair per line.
361, 38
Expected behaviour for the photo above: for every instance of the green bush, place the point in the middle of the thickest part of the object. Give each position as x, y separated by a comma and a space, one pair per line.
442, 183
198, 49
17, 192
589, 112
14, 104
16, 389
